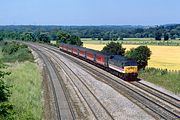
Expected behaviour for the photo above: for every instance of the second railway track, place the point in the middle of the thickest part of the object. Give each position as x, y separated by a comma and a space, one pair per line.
62, 100
97, 108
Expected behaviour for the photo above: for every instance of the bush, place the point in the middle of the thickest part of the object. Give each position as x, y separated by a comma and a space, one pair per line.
5, 107
9, 48
16, 52
4, 91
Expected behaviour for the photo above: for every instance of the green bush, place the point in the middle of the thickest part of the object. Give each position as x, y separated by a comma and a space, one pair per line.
9, 48
5, 107
13, 51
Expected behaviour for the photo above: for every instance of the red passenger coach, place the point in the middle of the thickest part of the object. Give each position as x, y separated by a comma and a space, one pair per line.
100, 59
82, 53
86, 53
75, 51
90, 55
65, 48
69, 49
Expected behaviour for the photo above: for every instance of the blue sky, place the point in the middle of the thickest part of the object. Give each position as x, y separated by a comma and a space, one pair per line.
89, 12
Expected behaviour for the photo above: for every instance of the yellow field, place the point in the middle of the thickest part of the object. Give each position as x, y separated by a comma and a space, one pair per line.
165, 57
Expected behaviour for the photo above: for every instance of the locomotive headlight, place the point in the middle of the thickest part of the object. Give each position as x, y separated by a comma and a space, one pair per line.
130, 69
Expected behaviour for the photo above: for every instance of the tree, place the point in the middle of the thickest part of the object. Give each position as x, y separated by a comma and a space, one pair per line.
1, 38
99, 38
106, 36
75, 40
166, 36
158, 35
114, 48
141, 54
29, 36
121, 38
69, 39
63, 37
44, 37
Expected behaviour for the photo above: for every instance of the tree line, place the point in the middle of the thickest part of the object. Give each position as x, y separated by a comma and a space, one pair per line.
119, 32
47, 33
35, 34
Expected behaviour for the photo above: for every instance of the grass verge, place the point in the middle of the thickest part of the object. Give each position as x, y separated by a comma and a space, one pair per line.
167, 79
26, 81
26, 91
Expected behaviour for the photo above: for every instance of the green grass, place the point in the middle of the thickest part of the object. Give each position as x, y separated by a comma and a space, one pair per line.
26, 91
167, 79
26, 80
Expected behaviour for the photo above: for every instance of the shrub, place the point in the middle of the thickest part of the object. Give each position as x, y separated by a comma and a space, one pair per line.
16, 52
5, 107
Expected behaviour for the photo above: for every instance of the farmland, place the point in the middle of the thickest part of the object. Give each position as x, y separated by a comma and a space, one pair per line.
136, 41
165, 57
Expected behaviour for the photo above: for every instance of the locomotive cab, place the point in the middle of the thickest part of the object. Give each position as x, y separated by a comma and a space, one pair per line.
127, 68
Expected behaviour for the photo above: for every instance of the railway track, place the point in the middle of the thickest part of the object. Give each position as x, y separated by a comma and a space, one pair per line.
137, 94
165, 97
62, 101
98, 109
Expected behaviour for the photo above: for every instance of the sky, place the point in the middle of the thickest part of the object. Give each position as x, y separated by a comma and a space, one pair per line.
89, 12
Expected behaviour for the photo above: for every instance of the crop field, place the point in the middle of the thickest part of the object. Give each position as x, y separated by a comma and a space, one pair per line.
165, 57
136, 41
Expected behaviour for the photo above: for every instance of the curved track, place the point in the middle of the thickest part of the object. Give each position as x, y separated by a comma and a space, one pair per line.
99, 111
62, 104
136, 94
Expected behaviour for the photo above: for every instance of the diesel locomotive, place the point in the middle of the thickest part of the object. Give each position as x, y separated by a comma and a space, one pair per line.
118, 65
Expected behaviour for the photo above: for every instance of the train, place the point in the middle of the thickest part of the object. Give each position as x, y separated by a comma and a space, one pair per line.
120, 66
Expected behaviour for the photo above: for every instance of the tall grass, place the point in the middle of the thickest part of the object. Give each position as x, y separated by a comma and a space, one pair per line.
25, 79
167, 79
26, 91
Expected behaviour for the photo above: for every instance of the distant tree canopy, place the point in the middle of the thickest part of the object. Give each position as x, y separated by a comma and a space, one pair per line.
158, 35
44, 37
101, 32
141, 54
1, 38
69, 39
114, 48
166, 36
